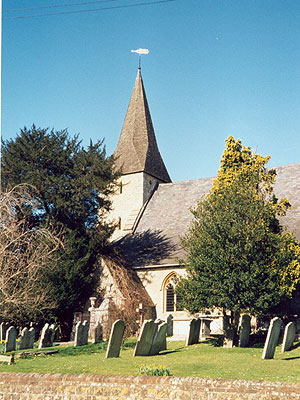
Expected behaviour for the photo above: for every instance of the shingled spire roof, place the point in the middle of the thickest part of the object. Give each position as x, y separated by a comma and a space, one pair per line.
137, 150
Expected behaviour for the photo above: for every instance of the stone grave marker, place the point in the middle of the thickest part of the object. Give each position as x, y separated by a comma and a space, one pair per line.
81, 333
3, 328
145, 339
31, 336
159, 341
11, 336
244, 330
194, 332
115, 339
47, 336
96, 333
170, 325
272, 338
289, 336
228, 333
24, 339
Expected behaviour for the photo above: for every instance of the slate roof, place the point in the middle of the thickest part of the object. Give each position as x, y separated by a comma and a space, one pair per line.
137, 148
167, 216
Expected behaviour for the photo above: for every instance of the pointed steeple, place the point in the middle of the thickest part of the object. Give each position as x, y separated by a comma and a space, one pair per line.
137, 149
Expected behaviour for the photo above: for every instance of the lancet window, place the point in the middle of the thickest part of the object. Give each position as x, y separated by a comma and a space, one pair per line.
172, 300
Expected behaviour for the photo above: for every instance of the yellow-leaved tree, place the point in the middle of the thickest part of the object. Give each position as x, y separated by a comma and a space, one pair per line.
239, 257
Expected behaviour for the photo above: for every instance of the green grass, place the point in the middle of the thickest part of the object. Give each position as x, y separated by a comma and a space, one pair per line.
202, 360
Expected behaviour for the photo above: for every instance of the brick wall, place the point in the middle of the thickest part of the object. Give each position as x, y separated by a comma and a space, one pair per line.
21, 386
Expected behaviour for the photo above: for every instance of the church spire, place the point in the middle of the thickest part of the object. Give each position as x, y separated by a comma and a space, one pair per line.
137, 150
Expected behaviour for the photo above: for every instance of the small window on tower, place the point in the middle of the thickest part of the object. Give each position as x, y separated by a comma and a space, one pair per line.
119, 223
121, 187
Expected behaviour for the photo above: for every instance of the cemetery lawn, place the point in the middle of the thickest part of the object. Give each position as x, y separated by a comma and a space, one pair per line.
204, 360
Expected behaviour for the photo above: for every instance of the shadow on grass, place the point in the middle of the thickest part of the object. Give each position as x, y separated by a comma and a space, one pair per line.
215, 342
290, 358
171, 351
295, 346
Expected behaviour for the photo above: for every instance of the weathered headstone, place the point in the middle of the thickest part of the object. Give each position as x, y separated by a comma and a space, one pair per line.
159, 341
194, 332
272, 338
24, 339
115, 339
145, 338
31, 336
3, 328
47, 336
81, 333
289, 336
96, 333
170, 325
11, 336
244, 330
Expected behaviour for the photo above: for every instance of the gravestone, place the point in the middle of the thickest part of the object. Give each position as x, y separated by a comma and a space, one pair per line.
81, 333
3, 329
47, 336
205, 328
31, 337
115, 339
96, 333
289, 336
194, 332
145, 339
244, 330
228, 333
159, 341
11, 336
272, 338
24, 339
170, 325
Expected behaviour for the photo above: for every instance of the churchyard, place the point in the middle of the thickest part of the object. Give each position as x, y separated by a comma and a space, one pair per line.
150, 351
203, 360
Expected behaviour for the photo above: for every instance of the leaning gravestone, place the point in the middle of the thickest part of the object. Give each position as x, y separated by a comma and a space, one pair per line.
244, 330
11, 336
47, 336
272, 338
81, 333
145, 339
115, 339
159, 341
3, 329
24, 339
289, 336
194, 332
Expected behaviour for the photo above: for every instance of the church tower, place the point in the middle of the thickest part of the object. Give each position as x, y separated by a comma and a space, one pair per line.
138, 157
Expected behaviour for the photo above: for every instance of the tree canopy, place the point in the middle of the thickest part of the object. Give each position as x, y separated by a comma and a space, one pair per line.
239, 258
72, 188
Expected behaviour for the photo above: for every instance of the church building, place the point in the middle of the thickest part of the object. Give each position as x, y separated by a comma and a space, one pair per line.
152, 213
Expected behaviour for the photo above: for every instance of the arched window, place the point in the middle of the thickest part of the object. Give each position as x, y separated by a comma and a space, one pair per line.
172, 300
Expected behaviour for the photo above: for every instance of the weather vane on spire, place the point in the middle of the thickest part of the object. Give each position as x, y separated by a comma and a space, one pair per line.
140, 52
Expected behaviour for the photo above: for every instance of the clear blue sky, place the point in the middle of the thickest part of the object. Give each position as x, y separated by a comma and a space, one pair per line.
216, 68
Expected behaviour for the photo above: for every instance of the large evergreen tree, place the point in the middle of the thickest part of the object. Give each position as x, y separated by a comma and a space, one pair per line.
71, 188
239, 258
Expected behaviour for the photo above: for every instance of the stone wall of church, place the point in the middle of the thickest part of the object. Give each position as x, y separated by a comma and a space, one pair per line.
154, 280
